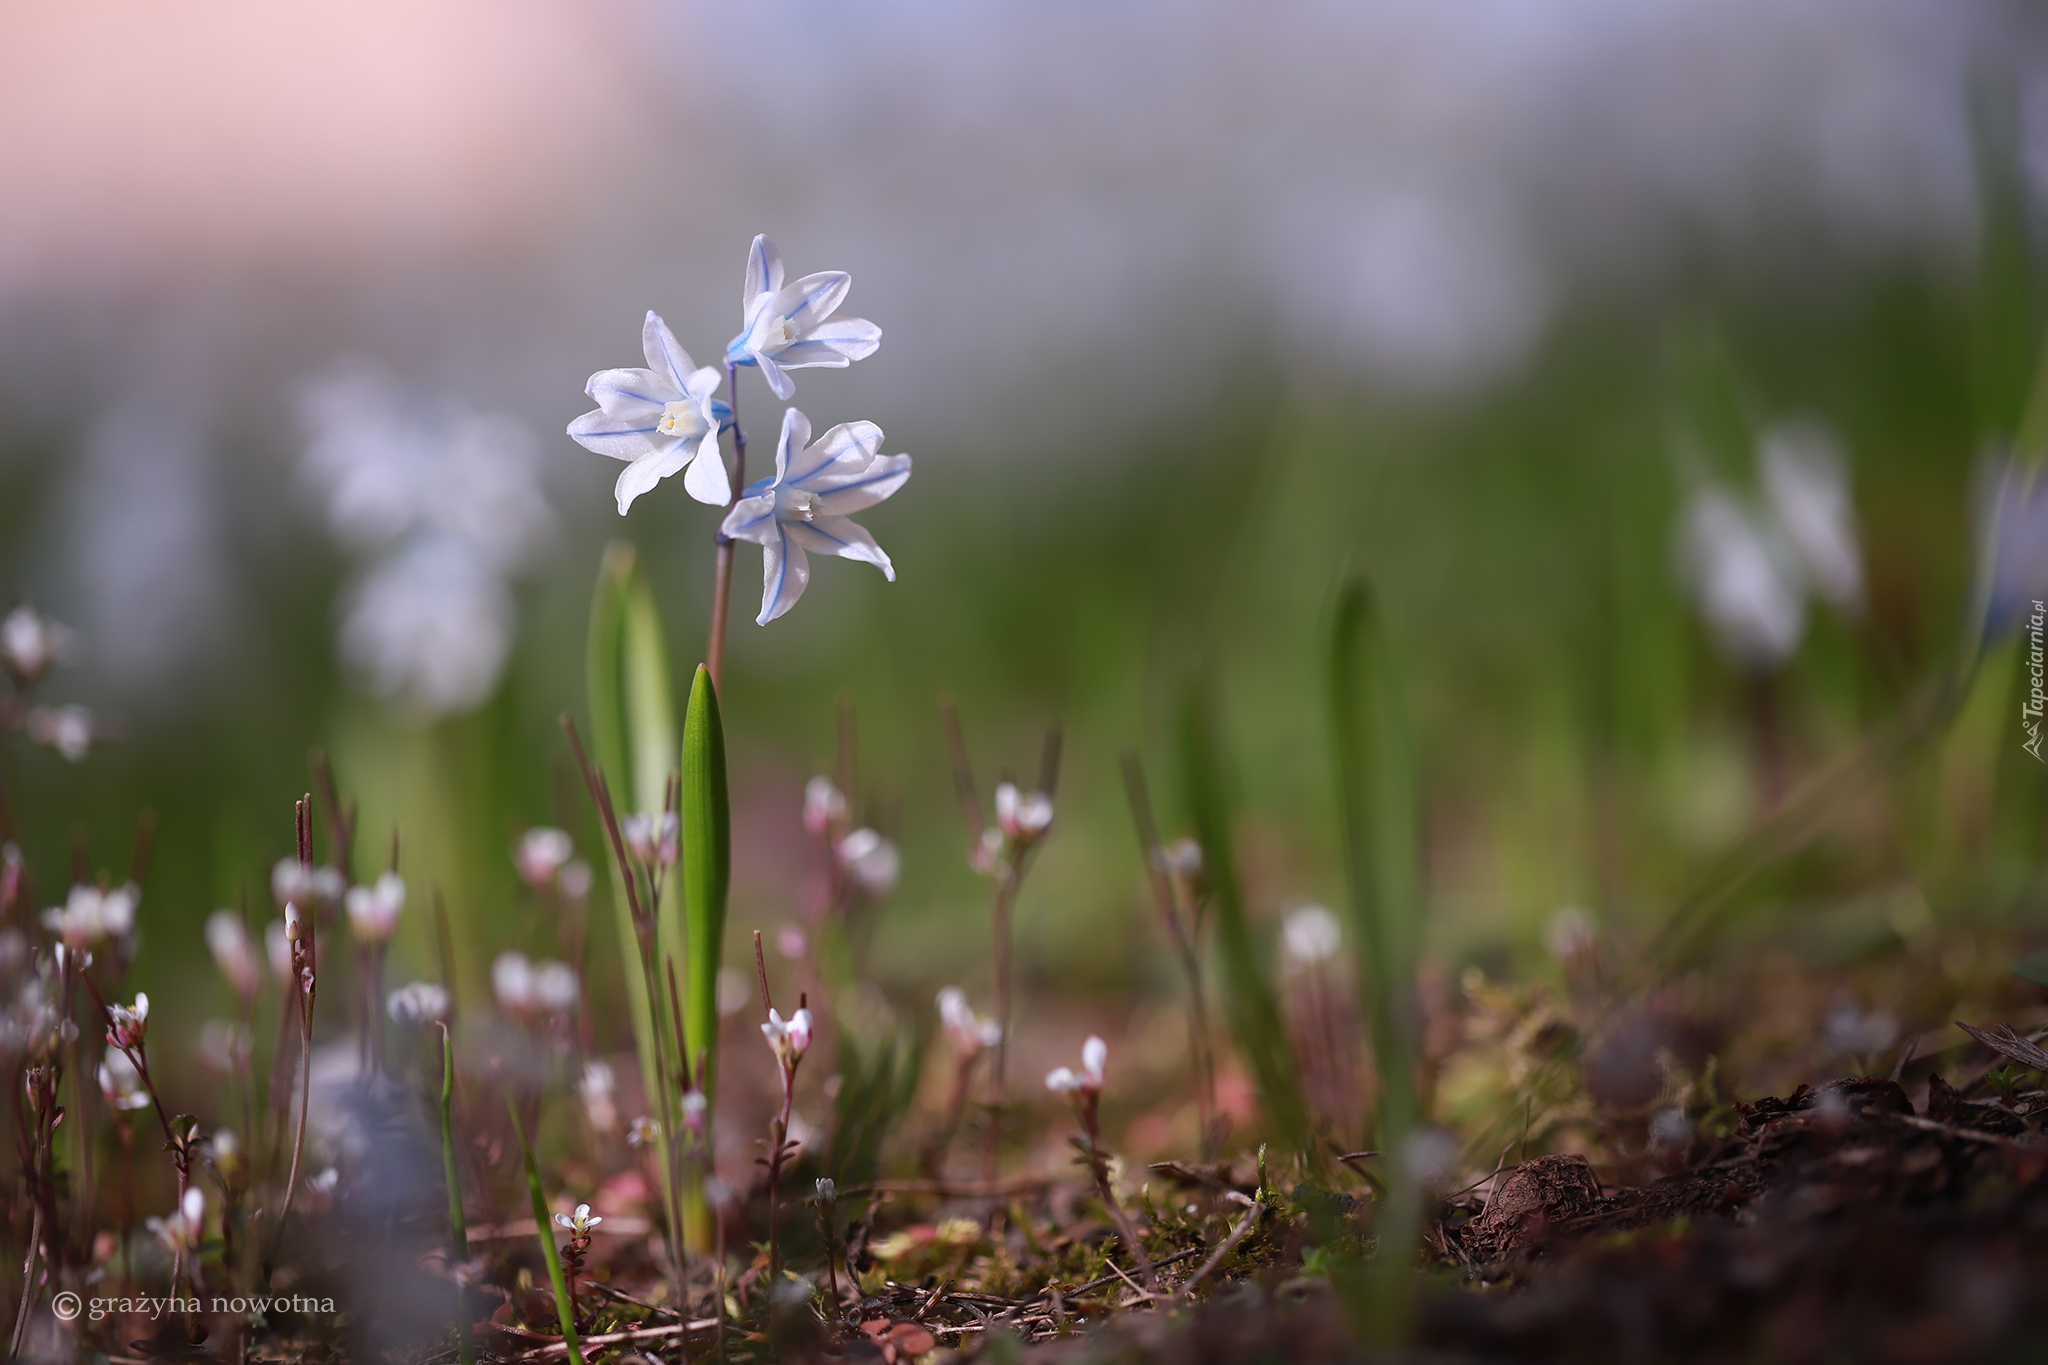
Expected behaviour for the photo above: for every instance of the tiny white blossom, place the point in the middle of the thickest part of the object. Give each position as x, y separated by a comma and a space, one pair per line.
373, 910
643, 1132
651, 837
90, 916
541, 853
695, 1108
30, 644
121, 1083
290, 881
1182, 857
1747, 580
227, 938
791, 327
277, 946
790, 1038
554, 987
1022, 815
127, 1024
596, 1087
1806, 479
660, 419
804, 508
1311, 935
970, 1032
67, 729
574, 880
326, 1182
1094, 1057
580, 1222
421, 1002
872, 860
182, 1230
824, 804
1571, 933
512, 982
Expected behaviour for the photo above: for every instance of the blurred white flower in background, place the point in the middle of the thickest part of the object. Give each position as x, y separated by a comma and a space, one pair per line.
1751, 567
1806, 481
1311, 935
445, 507
873, 861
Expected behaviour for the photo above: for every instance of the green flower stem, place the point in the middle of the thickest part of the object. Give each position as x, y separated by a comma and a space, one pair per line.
564, 1307
458, 1225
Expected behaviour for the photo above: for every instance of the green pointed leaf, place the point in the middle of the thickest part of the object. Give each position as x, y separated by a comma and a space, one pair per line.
707, 866
1253, 1010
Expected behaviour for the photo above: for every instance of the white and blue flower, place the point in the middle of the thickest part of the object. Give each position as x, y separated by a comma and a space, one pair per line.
660, 419
803, 509
791, 327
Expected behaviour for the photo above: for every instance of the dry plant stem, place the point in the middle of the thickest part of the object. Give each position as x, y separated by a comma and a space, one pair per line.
1229, 1244
1098, 1165
721, 586
28, 1283
1182, 935
304, 962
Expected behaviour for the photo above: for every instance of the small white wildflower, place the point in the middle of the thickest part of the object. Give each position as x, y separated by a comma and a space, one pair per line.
1094, 1057
420, 1002
1746, 580
643, 1132
574, 881
1806, 479
970, 1032
121, 1083
182, 1230
227, 938
128, 1024
290, 881
327, 1182
596, 1087
541, 854
873, 861
90, 916
579, 1222
373, 910
1311, 935
69, 730
555, 987
790, 1038
1022, 816
652, 837
695, 1109
512, 982
31, 644
824, 805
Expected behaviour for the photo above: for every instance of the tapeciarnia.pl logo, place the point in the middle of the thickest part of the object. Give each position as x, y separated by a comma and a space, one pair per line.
2037, 669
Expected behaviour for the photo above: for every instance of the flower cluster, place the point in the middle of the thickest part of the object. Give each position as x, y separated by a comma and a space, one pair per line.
667, 418
969, 1031
421, 1002
1022, 819
526, 988
128, 1024
90, 917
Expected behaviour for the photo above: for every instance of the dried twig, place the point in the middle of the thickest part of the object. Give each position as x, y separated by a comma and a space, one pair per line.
1216, 1258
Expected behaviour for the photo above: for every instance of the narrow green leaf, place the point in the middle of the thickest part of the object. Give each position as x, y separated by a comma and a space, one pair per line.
1253, 1010
707, 867
627, 673
1376, 803
564, 1309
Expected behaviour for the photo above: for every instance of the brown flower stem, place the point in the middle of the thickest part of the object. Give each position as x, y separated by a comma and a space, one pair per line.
721, 586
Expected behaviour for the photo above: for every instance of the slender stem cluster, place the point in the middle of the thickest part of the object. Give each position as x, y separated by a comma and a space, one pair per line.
789, 1039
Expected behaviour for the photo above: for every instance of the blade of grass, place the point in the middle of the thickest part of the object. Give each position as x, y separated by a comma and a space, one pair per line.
1253, 1010
1376, 803
556, 1280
